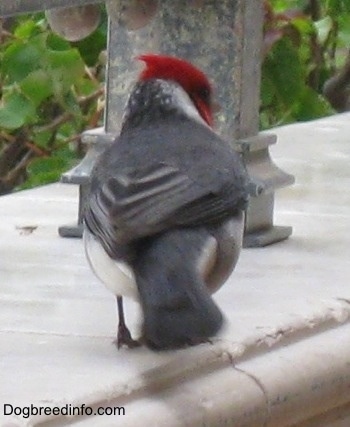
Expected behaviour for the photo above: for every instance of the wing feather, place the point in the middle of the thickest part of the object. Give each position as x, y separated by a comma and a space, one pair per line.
133, 205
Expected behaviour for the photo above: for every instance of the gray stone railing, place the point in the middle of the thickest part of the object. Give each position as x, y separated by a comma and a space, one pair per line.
224, 38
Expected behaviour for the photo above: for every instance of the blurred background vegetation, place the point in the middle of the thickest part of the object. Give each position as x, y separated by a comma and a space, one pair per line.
51, 89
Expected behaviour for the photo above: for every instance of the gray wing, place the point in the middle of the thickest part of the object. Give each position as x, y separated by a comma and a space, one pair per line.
132, 205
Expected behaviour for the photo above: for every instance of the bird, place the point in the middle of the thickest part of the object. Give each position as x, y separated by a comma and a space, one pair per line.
164, 217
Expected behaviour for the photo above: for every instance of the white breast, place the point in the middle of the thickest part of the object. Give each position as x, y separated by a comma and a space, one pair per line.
116, 276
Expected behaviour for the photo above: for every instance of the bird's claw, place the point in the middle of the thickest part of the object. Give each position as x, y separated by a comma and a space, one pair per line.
124, 338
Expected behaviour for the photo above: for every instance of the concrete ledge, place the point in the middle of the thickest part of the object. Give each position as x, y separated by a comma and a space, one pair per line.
283, 359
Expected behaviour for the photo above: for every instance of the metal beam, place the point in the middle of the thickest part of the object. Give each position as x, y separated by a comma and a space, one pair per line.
16, 7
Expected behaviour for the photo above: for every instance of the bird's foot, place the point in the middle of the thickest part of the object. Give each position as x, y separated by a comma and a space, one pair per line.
124, 338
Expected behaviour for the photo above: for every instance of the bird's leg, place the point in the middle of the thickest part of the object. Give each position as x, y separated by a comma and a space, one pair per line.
124, 336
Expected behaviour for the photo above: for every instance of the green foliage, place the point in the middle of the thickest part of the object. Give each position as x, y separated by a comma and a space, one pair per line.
48, 96
304, 42
48, 169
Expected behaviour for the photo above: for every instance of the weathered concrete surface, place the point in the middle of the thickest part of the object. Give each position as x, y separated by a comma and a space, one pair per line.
281, 361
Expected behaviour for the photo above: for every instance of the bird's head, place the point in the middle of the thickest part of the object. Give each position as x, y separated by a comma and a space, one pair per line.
194, 82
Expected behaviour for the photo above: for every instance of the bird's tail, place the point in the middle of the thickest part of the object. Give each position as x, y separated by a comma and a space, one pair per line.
178, 309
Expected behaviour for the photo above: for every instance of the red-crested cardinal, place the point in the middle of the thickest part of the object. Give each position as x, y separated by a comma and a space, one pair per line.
165, 214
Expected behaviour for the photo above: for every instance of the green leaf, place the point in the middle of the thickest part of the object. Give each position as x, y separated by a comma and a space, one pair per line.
66, 130
71, 104
336, 7
41, 139
344, 29
26, 29
55, 42
86, 86
67, 61
45, 170
37, 86
16, 111
311, 105
267, 91
283, 68
305, 26
46, 165
65, 68
22, 58
281, 5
